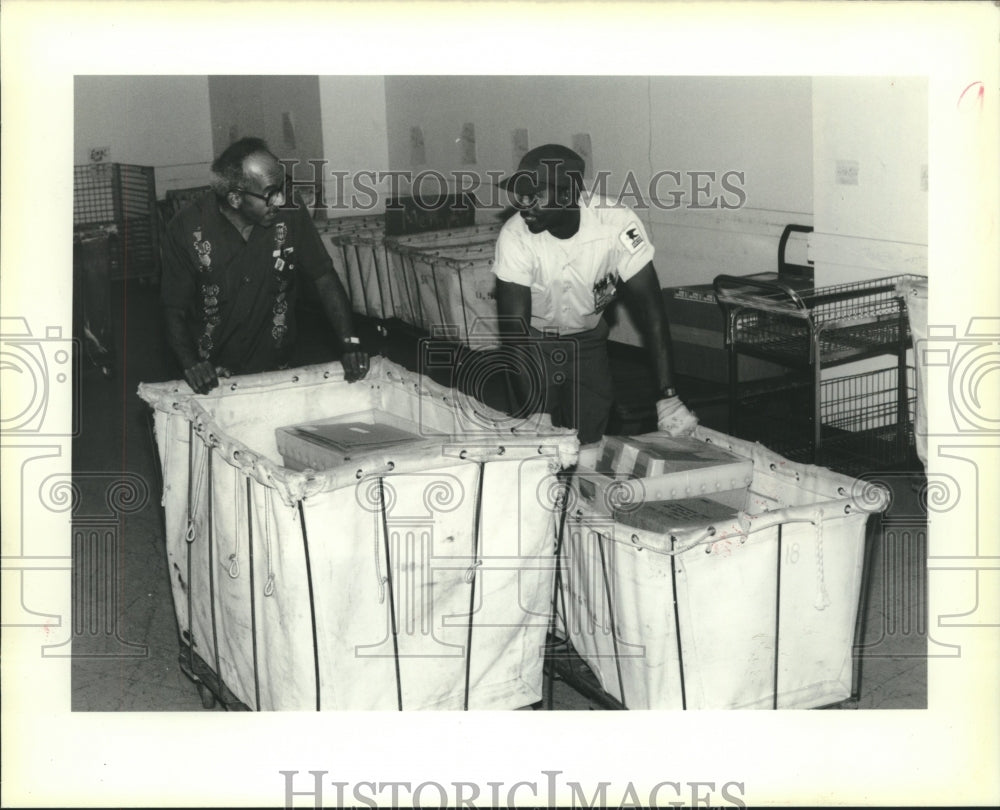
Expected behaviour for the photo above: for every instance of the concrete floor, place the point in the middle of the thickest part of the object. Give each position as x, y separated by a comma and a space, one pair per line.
125, 632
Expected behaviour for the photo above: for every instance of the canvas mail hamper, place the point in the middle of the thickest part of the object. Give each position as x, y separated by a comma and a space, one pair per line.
720, 597
411, 577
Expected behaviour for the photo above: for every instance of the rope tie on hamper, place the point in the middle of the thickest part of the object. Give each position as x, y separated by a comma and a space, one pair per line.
472, 578
611, 617
194, 491
709, 532
166, 450
380, 579
822, 597
392, 596
269, 582
234, 558
558, 597
472, 570
211, 570
187, 546
253, 593
777, 617
194, 502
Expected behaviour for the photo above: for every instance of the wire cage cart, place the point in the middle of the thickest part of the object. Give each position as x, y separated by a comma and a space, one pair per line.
124, 196
846, 421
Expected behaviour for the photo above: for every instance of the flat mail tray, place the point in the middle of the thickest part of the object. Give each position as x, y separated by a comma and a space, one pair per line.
327, 443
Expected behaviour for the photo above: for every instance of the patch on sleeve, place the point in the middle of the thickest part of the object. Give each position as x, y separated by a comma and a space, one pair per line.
631, 237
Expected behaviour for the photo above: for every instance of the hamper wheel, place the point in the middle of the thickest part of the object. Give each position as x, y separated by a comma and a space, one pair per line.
206, 695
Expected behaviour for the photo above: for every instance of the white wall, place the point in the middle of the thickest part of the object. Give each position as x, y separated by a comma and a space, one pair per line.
160, 121
167, 122
759, 126
878, 225
283, 110
353, 115
873, 225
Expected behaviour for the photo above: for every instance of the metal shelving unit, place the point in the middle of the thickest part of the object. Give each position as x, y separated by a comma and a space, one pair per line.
842, 422
123, 196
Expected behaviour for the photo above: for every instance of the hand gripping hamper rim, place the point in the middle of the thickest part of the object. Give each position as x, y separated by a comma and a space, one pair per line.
559, 444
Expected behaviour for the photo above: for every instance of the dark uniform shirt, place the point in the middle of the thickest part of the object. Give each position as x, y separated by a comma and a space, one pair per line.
239, 297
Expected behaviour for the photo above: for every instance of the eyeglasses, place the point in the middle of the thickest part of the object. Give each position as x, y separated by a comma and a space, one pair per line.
269, 199
545, 197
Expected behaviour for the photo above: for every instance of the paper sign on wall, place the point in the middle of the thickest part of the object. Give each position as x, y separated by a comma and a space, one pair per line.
418, 155
467, 142
519, 139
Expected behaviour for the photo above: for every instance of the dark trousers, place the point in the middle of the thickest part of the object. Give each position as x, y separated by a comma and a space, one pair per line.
576, 380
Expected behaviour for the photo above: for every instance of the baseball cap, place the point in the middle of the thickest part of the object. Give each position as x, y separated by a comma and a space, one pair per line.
549, 164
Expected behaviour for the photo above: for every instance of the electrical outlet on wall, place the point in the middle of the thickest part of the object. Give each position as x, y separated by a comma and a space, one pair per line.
847, 172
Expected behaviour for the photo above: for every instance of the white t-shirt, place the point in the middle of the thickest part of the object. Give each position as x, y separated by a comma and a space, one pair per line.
573, 280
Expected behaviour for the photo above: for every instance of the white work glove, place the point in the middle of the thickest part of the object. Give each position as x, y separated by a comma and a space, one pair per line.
673, 417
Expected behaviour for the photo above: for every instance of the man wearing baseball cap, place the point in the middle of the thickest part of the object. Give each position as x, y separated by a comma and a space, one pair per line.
558, 266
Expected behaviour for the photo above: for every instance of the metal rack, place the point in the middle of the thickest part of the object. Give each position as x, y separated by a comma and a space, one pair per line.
802, 415
124, 196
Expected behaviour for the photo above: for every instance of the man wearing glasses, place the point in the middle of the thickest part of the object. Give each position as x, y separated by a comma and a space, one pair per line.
558, 266
231, 261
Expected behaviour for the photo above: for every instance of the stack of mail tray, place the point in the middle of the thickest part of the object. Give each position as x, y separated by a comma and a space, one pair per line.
328, 443
662, 483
